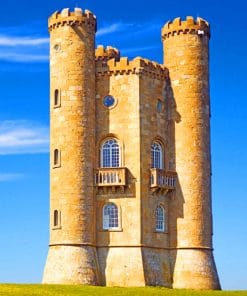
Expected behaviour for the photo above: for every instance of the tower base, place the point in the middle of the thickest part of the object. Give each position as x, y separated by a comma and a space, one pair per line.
194, 269
134, 266
71, 265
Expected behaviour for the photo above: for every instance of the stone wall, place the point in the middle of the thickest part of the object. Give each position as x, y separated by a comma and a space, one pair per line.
72, 113
168, 104
186, 56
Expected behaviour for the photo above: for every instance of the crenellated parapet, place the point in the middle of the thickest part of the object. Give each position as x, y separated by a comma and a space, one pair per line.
72, 18
106, 53
178, 26
137, 66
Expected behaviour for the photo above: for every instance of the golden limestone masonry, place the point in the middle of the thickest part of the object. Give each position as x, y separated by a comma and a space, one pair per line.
130, 165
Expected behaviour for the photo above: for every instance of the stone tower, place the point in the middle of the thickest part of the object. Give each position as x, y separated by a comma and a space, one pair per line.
130, 200
186, 55
72, 254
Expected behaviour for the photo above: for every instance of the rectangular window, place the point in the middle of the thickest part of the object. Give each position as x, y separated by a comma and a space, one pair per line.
57, 98
56, 158
56, 222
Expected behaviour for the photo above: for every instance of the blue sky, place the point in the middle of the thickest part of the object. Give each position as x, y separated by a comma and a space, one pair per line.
134, 28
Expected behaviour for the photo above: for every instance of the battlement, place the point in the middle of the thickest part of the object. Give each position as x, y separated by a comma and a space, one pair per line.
125, 66
178, 26
105, 54
70, 18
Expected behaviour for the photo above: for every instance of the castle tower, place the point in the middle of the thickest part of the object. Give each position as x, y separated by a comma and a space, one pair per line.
130, 166
72, 254
186, 57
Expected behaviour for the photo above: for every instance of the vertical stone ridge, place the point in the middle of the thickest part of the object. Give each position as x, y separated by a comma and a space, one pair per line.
72, 254
186, 56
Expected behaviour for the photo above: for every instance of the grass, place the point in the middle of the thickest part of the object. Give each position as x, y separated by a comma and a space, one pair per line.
64, 290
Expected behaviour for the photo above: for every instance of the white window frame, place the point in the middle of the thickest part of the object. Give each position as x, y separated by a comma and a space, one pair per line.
106, 220
160, 219
156, 147
111, 156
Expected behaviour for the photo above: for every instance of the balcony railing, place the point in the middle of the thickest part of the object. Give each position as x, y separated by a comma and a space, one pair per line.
161, 179
110, 177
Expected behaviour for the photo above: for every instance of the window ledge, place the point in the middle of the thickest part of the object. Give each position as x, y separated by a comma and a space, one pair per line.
56, 166
56, 227
120, 229
161, 231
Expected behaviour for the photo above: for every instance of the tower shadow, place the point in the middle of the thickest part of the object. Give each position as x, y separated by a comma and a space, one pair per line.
177, 201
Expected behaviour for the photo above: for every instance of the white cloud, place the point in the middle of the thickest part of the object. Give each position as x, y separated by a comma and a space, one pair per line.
22, 41
112, 28
30, 49
108, 30
23, 49
10, 177
129, 29
23, 137
23, 57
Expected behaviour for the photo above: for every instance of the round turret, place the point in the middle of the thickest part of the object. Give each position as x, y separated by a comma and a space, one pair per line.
186, 55
188, 26
72, 255
71, 18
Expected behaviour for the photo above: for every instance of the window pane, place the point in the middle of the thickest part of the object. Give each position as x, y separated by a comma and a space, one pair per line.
160, 218
156, 156
110, 218
110, 154
106, 157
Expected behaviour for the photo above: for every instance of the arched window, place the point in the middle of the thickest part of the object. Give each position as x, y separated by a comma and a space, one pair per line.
110, 154
157, 156
56, 219
56, 98
56, 160
110, 216
160, 219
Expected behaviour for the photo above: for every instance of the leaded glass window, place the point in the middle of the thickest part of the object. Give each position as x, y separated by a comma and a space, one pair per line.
110, 216
110, 154
160, 218
156, 156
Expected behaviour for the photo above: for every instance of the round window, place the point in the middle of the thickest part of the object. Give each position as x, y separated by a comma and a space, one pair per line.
56, 47
109, 101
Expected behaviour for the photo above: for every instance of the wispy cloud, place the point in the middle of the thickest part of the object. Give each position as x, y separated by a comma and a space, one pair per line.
33, 48
23, 57
23, 137
113, 28
6, 40
23, 49
10, 177
142, 39
129, 29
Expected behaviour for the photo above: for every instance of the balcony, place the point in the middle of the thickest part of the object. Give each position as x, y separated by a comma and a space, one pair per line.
110, 177
162, 180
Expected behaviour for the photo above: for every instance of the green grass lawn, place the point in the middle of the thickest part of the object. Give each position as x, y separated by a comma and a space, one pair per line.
63, 290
